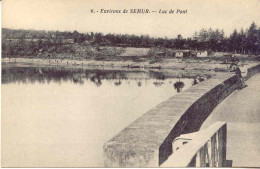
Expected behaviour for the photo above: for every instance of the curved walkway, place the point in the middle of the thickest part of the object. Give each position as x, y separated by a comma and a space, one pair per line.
241, 111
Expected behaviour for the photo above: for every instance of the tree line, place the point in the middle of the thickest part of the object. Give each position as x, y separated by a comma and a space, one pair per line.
31, 41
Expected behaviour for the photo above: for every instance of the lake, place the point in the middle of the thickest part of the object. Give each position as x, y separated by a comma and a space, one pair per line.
56, 117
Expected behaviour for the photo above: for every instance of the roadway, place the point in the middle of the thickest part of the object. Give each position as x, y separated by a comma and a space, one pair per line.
241, 111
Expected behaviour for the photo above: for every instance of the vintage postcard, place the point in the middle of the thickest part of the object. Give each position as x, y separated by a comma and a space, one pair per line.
130, 83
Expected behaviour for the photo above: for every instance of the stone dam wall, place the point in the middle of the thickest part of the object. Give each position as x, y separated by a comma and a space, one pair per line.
147, 142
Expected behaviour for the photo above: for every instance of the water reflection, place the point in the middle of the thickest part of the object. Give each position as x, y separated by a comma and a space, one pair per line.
76, 75
96, 79
139, 84
118, 83
178, 85
158, 84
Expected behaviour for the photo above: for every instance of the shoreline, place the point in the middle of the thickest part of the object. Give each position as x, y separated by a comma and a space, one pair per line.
174, 64
175, 68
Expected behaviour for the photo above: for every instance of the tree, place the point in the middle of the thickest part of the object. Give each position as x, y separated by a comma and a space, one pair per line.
252, 39
179, 42
203, 35
195, 36
222, 34
242, 41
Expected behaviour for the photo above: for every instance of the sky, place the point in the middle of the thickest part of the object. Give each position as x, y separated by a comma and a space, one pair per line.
70, 15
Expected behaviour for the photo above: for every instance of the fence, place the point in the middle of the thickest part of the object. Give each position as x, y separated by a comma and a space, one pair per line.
207, 149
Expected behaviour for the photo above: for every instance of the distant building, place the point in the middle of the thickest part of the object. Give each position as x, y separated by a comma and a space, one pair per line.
202, 53
182, 53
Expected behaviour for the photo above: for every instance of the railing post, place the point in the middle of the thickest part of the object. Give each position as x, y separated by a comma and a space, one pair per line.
220, 150
203, 156
225, 144
198, 159
217, 150
207, 151
222, 145
213, 151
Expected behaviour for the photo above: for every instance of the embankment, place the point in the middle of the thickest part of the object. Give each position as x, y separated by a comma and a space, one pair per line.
176, 64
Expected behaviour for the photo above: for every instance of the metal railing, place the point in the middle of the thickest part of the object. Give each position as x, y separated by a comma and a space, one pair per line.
206, 149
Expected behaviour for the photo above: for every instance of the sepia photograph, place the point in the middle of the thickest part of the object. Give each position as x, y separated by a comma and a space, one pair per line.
130, 83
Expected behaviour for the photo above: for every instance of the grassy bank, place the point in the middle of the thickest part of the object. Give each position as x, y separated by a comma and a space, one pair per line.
131, 62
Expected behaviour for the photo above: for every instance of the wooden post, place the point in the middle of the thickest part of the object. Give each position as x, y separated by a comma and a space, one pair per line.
198, 159
216, 150
222, 146
203, 156
220, 142
208, 151
223, 142
213, 151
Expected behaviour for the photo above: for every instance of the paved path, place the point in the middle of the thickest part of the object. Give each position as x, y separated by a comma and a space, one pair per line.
241, 111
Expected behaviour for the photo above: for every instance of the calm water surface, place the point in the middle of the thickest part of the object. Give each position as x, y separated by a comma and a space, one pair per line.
55, 117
